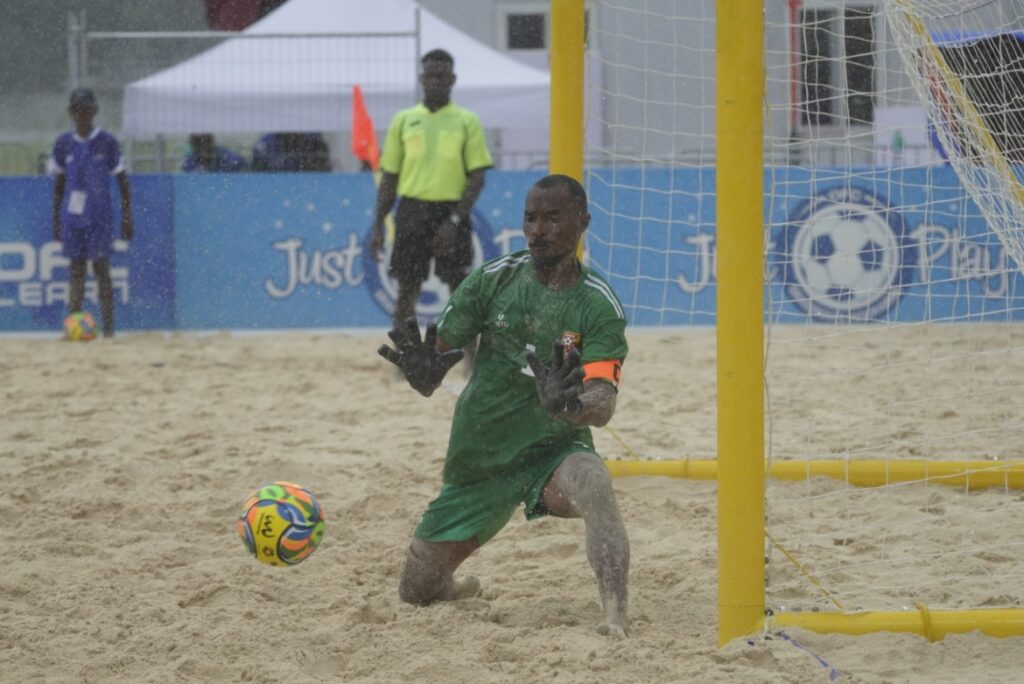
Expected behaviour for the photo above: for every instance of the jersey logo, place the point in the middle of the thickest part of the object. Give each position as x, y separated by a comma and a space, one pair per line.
572, 340
501, 322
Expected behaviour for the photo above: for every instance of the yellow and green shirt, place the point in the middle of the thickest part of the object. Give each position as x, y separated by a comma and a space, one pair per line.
432, 152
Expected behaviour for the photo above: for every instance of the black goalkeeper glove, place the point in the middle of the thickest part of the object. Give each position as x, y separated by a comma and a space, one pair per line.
424, 367
560, 383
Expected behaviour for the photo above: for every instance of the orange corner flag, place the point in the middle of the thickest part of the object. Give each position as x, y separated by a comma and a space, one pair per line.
364, 138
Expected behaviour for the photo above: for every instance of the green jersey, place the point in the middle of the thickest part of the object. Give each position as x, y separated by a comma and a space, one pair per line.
499, 423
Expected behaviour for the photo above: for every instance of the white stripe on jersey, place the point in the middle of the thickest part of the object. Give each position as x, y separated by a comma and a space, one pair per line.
440, 320
607, 292
497, 263
505, 262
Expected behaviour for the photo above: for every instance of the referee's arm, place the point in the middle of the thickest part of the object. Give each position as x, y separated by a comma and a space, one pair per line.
474, 186
386, 193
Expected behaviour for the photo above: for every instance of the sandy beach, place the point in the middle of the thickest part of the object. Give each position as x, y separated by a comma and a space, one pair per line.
125, 463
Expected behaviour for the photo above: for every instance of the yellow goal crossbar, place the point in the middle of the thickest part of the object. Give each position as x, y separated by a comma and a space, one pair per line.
933, 625
975, 474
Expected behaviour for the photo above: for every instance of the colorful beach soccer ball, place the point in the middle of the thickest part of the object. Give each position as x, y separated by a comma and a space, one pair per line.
80, 327
281, 524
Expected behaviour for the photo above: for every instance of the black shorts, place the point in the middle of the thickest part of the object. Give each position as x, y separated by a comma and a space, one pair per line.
416, 226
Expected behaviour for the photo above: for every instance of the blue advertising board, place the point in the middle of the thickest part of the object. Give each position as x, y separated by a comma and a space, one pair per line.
843, 246
290, 251
879, 245
34, 272
256, 251
652, 236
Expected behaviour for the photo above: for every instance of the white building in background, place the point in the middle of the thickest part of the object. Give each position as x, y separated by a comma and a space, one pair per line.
832, 70
655, 63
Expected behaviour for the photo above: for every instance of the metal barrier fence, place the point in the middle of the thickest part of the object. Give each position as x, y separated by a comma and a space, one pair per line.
27, 157
24, 156
108, 61
156, 87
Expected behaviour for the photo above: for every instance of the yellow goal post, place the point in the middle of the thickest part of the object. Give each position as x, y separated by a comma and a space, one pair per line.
741, 468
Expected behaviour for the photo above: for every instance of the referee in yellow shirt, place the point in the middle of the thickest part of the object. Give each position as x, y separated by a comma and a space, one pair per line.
434, 160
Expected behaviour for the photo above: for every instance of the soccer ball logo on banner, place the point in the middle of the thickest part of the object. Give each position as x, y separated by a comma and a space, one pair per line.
844, 256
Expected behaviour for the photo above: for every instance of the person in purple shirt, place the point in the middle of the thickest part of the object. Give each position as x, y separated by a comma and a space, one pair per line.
206, 155
82, 163
291, 152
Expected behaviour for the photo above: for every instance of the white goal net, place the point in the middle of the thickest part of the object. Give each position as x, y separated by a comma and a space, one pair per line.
966, 62
893, 303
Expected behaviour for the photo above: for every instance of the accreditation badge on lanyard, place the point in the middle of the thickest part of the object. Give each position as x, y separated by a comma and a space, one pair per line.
77, 198
76, 202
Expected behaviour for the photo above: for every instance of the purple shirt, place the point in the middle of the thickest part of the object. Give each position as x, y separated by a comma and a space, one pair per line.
87, 164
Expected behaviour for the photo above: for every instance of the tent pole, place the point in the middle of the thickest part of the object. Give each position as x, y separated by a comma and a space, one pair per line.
419, 48
74, 52
161, 150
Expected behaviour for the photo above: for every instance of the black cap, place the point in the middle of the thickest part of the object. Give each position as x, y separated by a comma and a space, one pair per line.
83, 97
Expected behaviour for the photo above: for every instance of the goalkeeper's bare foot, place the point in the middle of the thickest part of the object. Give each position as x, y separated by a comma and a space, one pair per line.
615, 621
456, 589
613, 630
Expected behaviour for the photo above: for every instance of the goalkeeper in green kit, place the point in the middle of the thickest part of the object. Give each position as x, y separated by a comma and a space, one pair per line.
552, 343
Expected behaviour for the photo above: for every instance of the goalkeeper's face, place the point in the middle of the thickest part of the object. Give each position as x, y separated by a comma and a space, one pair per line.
553, 223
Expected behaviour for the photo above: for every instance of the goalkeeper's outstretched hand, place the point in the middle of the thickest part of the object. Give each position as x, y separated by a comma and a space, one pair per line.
560, 382
424, 367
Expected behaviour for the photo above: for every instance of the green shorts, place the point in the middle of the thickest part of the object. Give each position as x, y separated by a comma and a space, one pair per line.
481, 509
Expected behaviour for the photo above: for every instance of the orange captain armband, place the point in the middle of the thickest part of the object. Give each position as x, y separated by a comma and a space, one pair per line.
610, 370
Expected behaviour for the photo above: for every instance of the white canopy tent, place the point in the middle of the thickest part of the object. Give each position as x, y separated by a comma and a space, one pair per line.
294, 71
